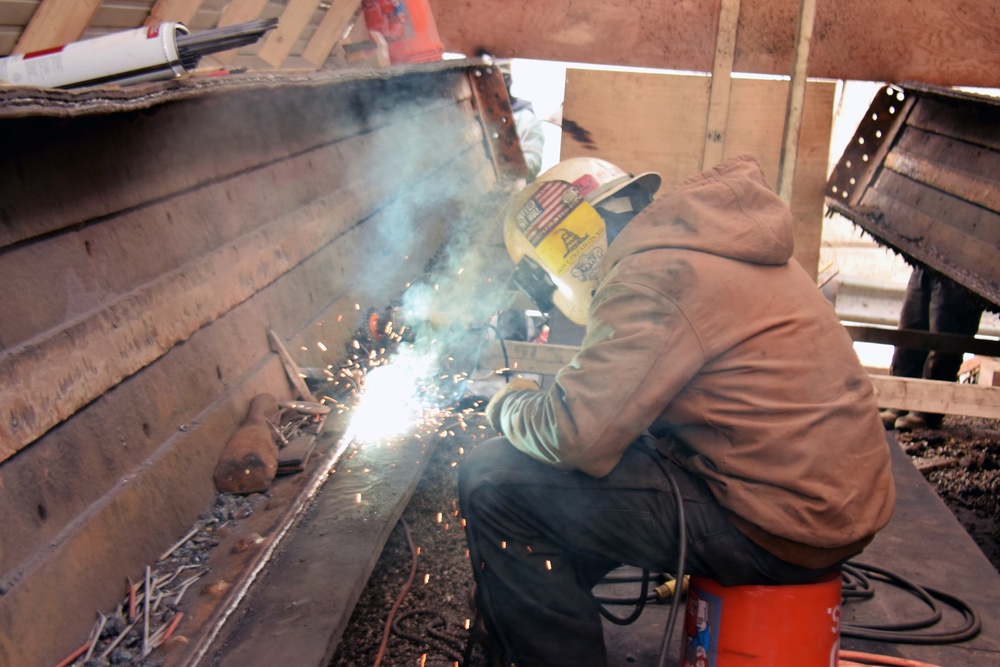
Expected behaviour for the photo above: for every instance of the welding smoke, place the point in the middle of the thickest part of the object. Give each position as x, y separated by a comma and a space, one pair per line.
448, 297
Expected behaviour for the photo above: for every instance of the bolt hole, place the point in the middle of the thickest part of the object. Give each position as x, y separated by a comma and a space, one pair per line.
43, 513
146, 429
86, 246
218, 372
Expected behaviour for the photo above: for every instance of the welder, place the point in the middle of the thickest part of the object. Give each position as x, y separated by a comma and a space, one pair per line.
714, 384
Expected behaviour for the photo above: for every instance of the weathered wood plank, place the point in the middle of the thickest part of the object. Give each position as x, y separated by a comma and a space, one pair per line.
892, 392
969, 261
962, 170
722, 71
330, 31
667, 121
56, 22
944, 43
666, 124
949, 398
172, 10
796, 94
279, 42
973, 124
238, 12
950, 215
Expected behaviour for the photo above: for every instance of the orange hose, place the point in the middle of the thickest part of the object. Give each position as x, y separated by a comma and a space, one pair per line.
399, 600
878, 660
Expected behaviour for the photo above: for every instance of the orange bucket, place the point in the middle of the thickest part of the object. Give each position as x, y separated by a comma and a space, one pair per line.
408, 27
762, 626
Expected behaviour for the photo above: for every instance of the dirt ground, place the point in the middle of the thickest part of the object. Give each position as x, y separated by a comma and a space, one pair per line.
962, 461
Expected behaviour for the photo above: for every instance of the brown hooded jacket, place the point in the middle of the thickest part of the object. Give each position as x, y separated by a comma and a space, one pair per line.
706, 332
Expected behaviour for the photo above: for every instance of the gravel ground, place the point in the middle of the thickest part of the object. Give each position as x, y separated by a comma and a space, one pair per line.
962, 461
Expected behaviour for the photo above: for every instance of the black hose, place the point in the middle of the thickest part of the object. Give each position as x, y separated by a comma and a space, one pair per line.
897, 633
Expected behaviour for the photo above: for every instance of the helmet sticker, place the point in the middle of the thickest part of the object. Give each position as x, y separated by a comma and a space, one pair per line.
586, 269
546, 209
586, 184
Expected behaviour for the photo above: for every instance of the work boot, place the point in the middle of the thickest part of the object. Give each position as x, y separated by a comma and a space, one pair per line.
915, 422
889, 418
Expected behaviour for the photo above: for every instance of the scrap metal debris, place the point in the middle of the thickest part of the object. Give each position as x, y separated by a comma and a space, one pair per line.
148, 616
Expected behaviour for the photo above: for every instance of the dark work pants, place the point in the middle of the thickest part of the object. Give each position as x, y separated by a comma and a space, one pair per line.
541, 538
936, 304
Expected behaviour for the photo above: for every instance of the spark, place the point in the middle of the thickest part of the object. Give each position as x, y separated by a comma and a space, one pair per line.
548, 565
321, 346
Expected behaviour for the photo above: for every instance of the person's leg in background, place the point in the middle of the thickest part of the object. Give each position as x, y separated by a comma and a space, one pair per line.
914, 315
952, 309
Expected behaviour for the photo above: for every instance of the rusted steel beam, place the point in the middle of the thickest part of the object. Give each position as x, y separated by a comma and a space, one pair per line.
922, 176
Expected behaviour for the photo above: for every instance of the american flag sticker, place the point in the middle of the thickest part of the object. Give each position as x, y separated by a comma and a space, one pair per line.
549, 206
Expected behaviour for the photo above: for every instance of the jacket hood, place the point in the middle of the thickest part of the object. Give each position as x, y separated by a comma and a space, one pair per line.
729, 211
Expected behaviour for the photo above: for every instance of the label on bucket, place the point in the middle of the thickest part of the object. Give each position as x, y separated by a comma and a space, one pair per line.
701, 629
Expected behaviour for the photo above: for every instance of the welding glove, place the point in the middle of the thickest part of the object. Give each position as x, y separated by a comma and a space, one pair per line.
495, 404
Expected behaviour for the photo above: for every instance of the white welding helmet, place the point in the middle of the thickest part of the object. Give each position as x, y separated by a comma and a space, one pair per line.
555, 229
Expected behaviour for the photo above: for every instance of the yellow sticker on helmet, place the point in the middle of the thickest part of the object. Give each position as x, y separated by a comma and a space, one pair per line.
563, 227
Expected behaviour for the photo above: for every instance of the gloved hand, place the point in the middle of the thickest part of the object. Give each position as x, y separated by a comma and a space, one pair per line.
493, 407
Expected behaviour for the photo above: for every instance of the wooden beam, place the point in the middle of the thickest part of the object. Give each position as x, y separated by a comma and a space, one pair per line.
56, 22
933, 396
279, 42
172, 10
722, 70
946, 43
238, 11
892, 392
923, 340
330, 31
796, 97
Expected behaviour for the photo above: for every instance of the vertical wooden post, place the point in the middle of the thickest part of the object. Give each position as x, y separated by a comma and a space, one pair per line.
722, 69
56, 22
181, 11
796, 97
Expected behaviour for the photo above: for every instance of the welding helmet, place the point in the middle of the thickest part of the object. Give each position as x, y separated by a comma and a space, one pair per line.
556, 229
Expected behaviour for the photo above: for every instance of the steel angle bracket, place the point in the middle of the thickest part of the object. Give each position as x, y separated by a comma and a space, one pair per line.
492, 104
864, 155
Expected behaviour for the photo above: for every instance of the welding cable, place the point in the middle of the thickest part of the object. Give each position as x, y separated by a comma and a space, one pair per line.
402, 594
898, 633
436, 628
668, 631
640, 604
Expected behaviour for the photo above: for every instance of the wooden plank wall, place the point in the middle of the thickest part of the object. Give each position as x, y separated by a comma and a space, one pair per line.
952, 42
145, 255
652, 121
